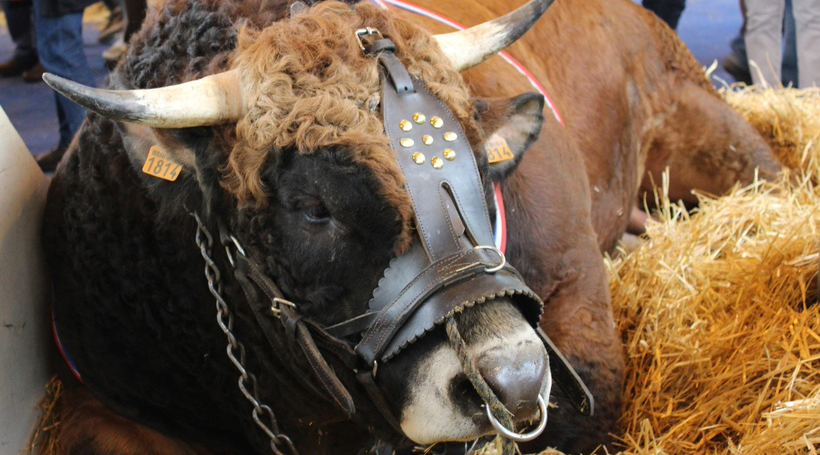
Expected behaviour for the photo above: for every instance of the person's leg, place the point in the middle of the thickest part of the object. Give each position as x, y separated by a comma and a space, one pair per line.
21, 28
764, 26
737, 63
135, 14
807, 18
111, 4
60, 45
788, 70
668, 10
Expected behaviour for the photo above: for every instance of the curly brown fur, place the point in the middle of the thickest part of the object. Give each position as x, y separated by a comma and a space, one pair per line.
308, 89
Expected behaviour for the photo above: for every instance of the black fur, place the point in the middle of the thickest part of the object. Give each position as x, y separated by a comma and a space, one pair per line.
126, 269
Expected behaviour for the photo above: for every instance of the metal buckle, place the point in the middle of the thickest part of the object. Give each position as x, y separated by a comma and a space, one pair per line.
274, 307
517, 437
366, 31
498, 252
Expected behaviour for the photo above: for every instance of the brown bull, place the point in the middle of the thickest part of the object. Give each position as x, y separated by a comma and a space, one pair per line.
302, 171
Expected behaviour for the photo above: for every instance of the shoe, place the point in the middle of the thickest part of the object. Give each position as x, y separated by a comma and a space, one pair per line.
34, 74
737, 69
48, 161
15, 66
115, 24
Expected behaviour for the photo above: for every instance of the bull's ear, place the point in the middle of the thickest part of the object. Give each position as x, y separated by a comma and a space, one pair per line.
511, 126
158, 152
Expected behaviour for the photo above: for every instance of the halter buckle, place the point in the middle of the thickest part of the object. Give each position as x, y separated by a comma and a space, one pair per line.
366, 32
275, 306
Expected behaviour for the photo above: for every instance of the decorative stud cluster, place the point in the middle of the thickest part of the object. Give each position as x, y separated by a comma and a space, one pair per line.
436, 122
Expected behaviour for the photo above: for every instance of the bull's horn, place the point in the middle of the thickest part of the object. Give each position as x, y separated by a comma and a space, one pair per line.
468, 48
210, 100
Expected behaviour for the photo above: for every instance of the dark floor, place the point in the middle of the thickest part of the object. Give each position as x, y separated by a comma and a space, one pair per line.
707, 26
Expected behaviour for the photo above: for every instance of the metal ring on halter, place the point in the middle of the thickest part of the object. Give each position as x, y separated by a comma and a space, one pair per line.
497, 251
542, 406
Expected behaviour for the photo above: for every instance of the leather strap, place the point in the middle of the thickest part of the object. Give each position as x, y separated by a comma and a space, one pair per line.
377, 397
352, 326
385, 48
437, 193
567, 378
298, 333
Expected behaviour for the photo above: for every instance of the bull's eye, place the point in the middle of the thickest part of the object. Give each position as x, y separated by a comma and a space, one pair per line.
316, 214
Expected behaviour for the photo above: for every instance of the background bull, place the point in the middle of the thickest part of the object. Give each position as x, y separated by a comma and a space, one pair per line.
306, 181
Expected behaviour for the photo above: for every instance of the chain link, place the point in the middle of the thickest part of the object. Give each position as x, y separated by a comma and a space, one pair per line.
235, 349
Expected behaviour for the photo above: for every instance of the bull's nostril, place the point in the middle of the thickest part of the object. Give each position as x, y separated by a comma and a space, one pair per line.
516, 378
463, 391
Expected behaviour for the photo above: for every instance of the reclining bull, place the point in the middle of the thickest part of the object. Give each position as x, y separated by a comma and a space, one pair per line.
344, 231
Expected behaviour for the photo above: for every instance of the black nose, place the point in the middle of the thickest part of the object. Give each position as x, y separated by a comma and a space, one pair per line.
516, 377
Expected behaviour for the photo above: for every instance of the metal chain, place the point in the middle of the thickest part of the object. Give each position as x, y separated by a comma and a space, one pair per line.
235, 348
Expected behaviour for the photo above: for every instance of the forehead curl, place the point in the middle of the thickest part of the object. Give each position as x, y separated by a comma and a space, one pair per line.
306, 83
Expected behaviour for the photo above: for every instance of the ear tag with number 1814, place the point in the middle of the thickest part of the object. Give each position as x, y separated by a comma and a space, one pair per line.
497, 149
160, 164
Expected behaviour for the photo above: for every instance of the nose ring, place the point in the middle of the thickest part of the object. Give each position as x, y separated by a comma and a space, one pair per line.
517, 437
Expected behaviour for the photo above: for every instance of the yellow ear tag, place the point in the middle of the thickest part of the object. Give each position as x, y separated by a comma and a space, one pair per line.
497, 149
160, 164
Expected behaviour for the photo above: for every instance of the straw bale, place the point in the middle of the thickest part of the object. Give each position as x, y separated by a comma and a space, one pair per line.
718, 310
788, 118
719, 317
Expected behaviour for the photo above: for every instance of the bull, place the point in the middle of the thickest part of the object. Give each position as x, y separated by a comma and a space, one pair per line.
268, 119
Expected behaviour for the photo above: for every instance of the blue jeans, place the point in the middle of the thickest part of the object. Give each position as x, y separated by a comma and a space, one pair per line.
60, 48
20, 20
668, 10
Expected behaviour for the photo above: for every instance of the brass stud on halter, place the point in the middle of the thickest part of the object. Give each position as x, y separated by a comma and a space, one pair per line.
450, 136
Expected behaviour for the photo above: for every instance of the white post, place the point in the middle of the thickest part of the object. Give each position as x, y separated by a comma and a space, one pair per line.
24, 290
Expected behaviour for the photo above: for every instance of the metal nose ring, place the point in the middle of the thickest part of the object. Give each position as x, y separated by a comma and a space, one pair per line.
505, 432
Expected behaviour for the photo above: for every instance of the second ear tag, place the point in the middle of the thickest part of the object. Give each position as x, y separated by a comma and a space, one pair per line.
497, 149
